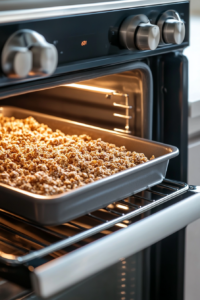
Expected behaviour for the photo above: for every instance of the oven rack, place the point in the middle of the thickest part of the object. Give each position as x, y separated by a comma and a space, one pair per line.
115, 217
109, 93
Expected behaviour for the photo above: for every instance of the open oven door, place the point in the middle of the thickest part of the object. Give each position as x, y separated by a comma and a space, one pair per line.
120, 248
111, 263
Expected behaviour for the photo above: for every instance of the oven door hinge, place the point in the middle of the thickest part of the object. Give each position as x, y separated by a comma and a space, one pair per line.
194, 188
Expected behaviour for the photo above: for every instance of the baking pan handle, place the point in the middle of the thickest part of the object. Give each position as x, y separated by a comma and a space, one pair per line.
63, 272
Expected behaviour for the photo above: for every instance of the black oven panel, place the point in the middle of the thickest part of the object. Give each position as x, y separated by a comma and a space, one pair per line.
41, 48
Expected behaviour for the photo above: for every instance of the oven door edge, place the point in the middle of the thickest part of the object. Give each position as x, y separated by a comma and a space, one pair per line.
52, 278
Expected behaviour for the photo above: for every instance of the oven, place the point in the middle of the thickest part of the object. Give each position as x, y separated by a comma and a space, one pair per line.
117, 69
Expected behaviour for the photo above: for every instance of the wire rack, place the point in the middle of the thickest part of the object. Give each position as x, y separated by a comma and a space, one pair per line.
22, 241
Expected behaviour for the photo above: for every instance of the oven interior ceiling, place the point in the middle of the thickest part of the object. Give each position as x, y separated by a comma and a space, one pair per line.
113, 102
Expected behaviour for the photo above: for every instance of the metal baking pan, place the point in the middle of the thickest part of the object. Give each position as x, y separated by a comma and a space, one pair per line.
57, 209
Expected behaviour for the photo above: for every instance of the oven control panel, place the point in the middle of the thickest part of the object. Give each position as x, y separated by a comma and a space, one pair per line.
136, 32
31, 50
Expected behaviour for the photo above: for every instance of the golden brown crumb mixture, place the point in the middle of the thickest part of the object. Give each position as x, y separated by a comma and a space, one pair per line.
38, 160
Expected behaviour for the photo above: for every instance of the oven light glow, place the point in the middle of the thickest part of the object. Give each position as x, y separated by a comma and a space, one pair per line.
122, 206
89, 88
121, 225
111, 206
126, 221
7, 255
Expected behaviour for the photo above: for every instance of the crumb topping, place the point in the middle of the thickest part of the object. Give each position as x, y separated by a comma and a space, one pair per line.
38, 160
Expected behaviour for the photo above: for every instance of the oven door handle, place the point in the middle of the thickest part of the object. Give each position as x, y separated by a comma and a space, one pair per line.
65, 271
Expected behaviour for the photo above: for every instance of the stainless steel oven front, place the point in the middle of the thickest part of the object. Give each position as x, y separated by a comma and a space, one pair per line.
118, 66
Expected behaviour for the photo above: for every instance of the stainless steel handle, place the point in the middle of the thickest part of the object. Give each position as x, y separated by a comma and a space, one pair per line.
17, 14
69, 269
27, 52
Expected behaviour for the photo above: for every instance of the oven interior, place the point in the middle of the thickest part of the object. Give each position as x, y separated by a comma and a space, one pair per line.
121, 102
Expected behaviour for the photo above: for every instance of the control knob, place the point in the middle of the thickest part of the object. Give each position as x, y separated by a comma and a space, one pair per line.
147, 37
27, 52
172, 28
136, 32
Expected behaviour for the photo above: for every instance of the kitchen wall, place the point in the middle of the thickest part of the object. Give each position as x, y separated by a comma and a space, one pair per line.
195, 6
